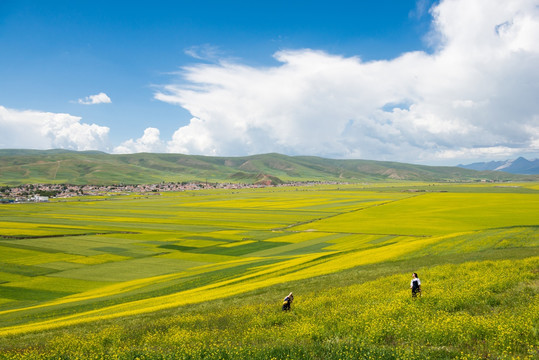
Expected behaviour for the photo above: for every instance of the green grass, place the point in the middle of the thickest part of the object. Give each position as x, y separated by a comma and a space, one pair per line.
18, 293
201, 275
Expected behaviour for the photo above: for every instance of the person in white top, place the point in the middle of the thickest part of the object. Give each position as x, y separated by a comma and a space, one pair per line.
415, 285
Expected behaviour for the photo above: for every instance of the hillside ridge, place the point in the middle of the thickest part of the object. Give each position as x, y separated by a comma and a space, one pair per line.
514, 166
20, 166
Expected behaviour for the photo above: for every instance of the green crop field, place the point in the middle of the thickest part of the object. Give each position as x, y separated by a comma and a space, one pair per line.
201, 274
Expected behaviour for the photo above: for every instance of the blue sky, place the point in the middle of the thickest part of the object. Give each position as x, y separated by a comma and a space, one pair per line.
244, 77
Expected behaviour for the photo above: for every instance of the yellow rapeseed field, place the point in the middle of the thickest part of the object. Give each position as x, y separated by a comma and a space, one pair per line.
350, 249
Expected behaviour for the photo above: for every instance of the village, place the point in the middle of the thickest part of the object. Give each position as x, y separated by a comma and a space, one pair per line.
44, 192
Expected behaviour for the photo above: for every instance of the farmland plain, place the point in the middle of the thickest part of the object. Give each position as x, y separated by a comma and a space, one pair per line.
199, 274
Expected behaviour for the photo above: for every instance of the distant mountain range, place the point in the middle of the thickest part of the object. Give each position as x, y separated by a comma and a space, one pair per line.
93, 167
517, 166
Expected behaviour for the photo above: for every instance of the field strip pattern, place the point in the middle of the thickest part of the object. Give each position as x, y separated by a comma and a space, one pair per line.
66, 263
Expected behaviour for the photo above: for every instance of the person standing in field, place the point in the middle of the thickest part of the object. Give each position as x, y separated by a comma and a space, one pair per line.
287, 302
415, 285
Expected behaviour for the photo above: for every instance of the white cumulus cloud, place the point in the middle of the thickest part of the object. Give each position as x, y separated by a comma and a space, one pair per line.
100, 98
149, 142
45, 130
474, 95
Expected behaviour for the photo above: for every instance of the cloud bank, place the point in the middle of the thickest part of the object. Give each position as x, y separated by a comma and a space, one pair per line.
149, 142
44, 130
100, 98
475, 95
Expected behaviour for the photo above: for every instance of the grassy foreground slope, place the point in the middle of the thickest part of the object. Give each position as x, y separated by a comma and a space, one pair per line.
200, 274
63, 166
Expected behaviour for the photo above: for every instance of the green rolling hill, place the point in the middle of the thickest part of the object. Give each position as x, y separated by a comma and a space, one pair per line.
93, 167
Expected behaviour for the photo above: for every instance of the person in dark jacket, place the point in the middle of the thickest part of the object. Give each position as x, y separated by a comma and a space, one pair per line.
415, 285
287, 302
